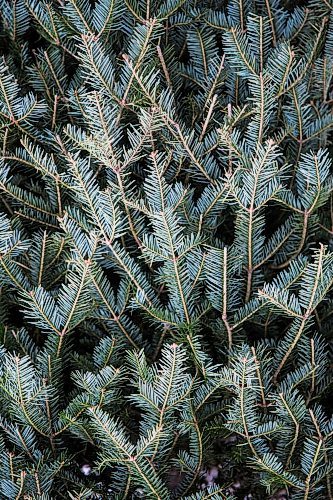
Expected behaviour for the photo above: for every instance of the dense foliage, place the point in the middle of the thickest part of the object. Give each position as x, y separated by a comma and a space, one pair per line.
166, 218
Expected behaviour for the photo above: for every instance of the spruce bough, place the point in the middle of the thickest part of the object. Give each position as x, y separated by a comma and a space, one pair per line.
165, 249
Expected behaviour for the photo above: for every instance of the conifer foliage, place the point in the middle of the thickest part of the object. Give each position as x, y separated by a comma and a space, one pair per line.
166, 222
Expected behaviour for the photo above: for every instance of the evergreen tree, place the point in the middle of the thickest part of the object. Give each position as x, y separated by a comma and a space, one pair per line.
166, 222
